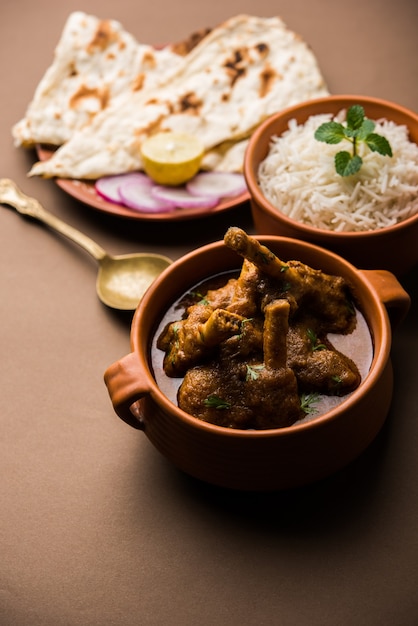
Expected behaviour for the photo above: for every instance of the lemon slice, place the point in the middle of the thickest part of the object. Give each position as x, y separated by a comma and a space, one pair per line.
171, 158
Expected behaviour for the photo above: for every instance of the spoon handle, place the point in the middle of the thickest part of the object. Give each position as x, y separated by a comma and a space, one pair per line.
10, 194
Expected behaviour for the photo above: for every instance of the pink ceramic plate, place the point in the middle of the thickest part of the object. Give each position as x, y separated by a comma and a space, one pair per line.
84, 191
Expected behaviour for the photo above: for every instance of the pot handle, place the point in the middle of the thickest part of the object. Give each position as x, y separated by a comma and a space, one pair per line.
391, 293
125, 383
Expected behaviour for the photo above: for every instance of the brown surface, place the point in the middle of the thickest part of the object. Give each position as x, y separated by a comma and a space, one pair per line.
95, 527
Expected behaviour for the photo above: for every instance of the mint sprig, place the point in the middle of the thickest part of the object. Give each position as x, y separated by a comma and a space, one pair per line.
358, 129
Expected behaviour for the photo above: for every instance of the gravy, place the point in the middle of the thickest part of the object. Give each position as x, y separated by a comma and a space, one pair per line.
357, 345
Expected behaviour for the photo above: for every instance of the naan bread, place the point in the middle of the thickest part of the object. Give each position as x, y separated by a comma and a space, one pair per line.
227, 157
242, 72
94, 62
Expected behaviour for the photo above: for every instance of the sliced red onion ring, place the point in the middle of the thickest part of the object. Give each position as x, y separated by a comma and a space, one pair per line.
140, 198
220, 184
183, 199
109, 186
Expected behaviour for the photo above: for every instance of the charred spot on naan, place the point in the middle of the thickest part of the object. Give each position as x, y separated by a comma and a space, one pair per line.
151, 129
103, 37
190, 103
236, 64
138, 83
149, 63
183, 48
262, 49
149, 60
268, 76
98, 99
72, 70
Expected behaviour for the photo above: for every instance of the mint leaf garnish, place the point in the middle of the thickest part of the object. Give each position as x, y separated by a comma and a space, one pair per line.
379, 144
355, 117
358, 128
365, 129
330, 132
346, 164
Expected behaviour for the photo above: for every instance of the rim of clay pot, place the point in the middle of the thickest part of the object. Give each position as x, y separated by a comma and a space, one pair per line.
140, 341
312, 107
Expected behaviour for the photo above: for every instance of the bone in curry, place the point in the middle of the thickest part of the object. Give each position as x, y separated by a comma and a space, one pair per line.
250, 348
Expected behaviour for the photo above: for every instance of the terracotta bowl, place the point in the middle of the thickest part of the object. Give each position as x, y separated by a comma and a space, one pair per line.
393, 248
250, 459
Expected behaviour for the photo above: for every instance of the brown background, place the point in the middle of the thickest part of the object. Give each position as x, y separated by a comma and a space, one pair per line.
96, 528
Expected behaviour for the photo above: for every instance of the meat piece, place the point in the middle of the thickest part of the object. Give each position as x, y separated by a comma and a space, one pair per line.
317, 365
220, 325
276, 327
249, 248
245, 297
248, 343
221, 297
241, 394
238, 295
326, 295
212, 393
188, 341
273, 391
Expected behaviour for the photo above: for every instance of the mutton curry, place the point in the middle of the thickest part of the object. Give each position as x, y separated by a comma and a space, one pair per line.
248, 352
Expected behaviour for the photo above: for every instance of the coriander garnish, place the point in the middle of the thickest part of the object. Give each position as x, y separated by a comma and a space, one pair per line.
242, 327
252, 371
358, 129
215, 402
307, 400
200, 297
314, 341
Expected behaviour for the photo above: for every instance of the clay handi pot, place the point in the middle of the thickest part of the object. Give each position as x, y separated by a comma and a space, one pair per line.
263, 459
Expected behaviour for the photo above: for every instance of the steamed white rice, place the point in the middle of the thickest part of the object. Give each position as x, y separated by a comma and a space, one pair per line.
298, 177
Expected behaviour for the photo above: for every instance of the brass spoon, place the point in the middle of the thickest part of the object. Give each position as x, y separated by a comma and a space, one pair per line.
122, 280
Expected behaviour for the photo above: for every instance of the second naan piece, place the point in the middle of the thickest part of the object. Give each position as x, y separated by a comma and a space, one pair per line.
94, 62
242, 72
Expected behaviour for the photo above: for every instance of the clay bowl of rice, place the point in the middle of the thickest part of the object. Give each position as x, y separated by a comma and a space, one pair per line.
369, 217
